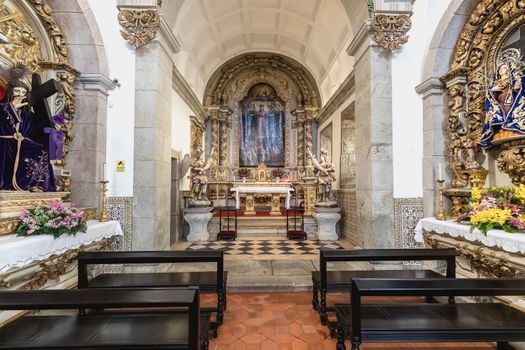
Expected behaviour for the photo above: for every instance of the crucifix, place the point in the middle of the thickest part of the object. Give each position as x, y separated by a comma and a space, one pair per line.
38, 100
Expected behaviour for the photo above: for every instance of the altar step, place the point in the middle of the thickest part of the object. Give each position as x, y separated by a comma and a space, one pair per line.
261, 226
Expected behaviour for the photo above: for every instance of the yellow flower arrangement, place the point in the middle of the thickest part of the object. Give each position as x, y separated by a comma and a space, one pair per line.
519, 192
476, 193
497, 216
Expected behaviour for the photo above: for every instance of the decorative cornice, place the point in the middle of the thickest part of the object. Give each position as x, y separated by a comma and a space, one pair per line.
171, 40
338, 98
390, 30
97, 82
430, 86
362, 35
185, 91
139, 26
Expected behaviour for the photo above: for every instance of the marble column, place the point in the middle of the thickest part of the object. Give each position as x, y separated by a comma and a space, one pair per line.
374, 167
152, 142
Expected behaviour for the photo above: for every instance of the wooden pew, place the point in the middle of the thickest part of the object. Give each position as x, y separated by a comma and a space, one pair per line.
207, 281
176, 323
341, 281
461, 322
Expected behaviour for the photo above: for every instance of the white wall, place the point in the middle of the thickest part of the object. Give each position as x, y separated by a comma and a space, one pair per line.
121, 101
407, 112
180, 133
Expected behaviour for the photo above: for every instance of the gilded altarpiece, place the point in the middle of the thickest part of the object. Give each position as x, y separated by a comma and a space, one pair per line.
290, 112
471, 82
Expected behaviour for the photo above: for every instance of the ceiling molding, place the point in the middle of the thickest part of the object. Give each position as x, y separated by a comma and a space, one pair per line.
340, 96
181, 86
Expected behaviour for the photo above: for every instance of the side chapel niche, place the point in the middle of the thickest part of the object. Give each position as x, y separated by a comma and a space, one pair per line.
31, 36
486, 121
262, 110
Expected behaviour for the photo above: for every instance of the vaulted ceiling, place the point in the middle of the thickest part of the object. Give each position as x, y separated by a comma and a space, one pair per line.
314, 32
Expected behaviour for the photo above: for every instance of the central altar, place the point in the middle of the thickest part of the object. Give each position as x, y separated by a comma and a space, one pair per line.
252, 189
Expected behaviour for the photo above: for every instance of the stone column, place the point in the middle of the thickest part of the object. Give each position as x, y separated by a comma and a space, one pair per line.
374, 167
152, 142
434, 145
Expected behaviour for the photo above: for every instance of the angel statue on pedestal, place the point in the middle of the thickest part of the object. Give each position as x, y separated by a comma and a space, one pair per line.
324, 173
199, 179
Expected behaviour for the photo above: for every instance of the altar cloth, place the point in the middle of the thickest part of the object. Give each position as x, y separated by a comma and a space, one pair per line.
509, 242
262, 189
19, 251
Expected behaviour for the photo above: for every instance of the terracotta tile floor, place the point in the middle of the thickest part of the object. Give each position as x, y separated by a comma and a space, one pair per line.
278, 320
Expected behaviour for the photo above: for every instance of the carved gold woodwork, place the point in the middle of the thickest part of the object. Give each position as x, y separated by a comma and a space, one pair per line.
512, 161
474, 59
459, 200
483, 260
23, 44
390, 31
262, 175
276, 205
250, 204
196, 135
139, 26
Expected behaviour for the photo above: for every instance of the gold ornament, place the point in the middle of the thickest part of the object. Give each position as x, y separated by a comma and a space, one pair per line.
390, 31
139, 26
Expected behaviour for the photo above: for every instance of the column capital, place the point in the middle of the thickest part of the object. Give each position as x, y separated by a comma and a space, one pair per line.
97, 82
431, 86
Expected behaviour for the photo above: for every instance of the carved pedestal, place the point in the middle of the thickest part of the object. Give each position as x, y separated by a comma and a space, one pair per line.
327, 219
198, 219
310, 197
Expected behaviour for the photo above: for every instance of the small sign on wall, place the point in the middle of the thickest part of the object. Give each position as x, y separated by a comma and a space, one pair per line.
121, 166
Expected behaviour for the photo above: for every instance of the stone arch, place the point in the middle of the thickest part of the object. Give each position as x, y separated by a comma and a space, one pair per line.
435, 102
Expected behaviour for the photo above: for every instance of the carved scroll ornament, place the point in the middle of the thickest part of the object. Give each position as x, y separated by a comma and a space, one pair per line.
139, 26
390, 31
473, 63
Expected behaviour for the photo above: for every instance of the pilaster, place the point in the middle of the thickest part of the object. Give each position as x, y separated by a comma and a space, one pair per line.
374, 162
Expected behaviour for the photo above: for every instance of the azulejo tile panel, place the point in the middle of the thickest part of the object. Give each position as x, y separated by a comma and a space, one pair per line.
121, 210
407, 213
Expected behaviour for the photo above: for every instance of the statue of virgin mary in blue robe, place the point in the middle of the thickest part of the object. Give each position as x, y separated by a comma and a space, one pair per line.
24, 162
504, 103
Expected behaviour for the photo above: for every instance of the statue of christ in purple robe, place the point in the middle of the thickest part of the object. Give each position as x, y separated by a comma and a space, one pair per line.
25, 163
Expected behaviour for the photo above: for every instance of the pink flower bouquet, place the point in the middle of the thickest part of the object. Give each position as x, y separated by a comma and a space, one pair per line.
51, 219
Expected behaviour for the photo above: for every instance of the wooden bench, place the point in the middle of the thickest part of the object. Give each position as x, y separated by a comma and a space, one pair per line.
465, 322
207, 281
176, 323
341, 281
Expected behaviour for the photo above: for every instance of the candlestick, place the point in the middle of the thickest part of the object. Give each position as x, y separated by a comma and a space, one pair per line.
441, 210
440, 172
104, 217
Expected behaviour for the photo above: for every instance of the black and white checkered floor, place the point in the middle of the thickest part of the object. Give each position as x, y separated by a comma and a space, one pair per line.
266, 247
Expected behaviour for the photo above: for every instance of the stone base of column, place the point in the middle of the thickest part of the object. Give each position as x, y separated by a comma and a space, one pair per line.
327, 219
198, 219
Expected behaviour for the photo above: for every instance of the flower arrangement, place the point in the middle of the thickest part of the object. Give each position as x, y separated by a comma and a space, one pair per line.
243, 172
278, 173
51, 219
501, 207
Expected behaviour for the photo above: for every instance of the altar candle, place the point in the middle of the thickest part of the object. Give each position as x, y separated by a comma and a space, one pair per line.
440, 172
104, 171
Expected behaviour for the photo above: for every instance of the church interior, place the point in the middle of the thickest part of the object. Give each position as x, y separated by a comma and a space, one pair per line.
262, 174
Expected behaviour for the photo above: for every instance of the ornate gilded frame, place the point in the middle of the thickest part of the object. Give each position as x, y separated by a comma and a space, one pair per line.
473, 61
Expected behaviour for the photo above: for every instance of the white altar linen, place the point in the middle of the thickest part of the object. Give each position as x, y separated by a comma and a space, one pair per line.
509, 242
261, 189
17, 251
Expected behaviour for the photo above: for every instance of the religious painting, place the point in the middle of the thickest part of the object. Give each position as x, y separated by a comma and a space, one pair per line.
262, 126
326, 142
347, 148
